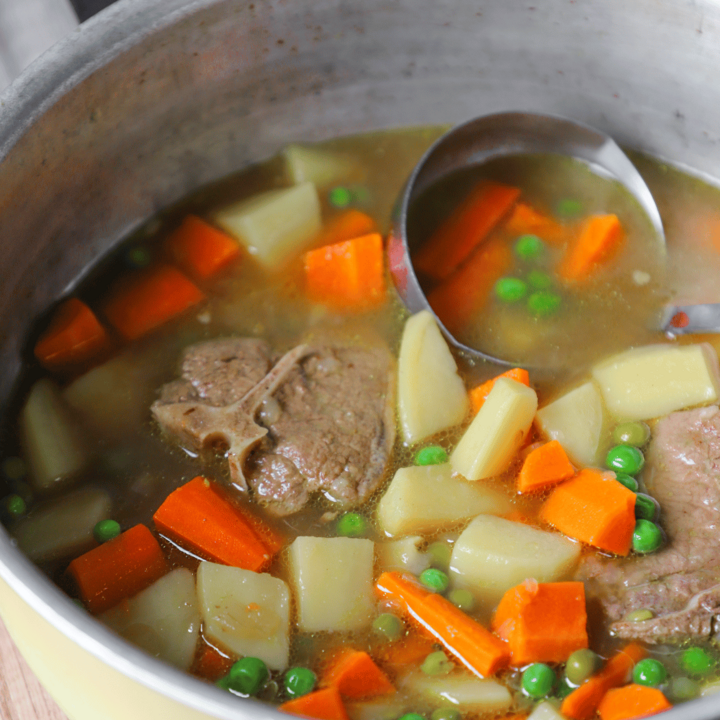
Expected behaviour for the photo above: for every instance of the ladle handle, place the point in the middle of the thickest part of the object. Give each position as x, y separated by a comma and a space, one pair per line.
689, 319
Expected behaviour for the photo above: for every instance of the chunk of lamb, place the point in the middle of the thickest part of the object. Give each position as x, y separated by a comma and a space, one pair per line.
680, 583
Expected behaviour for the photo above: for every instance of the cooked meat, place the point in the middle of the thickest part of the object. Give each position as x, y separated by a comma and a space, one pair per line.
681, 582
324, 417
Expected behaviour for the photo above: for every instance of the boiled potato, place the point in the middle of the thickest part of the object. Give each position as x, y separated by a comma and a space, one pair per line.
496, 432
321, 167
546, 711
247, 613
383, 709
493, 554
404, 554
659, 379
163, 619
275, 225
332, 582
431, 395
579, 422
467, 692
424, 499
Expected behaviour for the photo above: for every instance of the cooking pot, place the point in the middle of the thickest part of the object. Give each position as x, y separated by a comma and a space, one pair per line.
150, 99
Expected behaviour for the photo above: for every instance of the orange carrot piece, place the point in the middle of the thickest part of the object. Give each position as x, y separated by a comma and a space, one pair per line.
200, 249
600, 237
466, 291
582, 703
347, 275
118, 569
474, 646
408, 651
346, 226
211, 664
543, 467
456, 238
479, 394
632, 701
542, 622
200, 517
594, 508
355, 675
74, 336
149, 299
323, 704
526, 220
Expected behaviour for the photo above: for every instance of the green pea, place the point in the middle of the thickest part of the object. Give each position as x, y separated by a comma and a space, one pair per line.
565, 687
223, 683
649, 672
640, 615
529, 247
411, 716
625, 459
647, 537
138, 257
538, 280
352, 525
446, 713
436, 663
248, 675
632, 433
538, 680
431, 455
388, 626
435, 580
360, 194
106, 530
340, 197
568, 208
543, 303
510, 289
581, 665
683, 689
462, 598
697, 661
646, 507
299, 681
14, 506
627, 480
440, 553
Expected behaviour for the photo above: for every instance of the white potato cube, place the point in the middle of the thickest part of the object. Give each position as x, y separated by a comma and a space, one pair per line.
496, 433
383, 709
163, 619
321, 167
332, 582
467, 692
276, 225
403, 555
659, 379
493, 554
425, 499
431, 395
579, 422
546, 711
246, 612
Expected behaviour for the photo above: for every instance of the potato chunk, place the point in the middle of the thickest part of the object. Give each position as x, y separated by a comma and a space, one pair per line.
431, 395
493, 554
322, 167
246, 612
659, 379
462, 690
332, 582
497, 431
425, 499
403, 554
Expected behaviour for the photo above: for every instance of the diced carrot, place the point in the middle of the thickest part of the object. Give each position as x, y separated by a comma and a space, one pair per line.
347, 275
543, 467
474, 646
526, 220
411, 650
471, 223
200, 517
346, 226
466, 291
582, 703
200, 249
323, 704
211, 664
479, 394
148, 299
118, 569
355, 675
594, 508
600, 237
542, 622
74, 336
632, 701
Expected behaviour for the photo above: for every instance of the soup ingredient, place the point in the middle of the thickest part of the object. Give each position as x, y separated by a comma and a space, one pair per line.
406, 653
325, 704
529, 247
14, 506
50, 438
339, 197
211, 664
496, 433
629, 482
351, 525
464, 638
542, 622
510, 289
569, 208
543, 303
650, 672
467, 693
581, 665
625, 459
600, 238
106, 530
299, 681
246, 612
348, 275
478, 395
524, 220
440, 553
655, 380
632, 433
345, 226
595, 509
163, 619
431, 394
332, 583
446, 713
538, 680
305, 163
403, 554
73, 337
647, 537
431, 455
697, 661
436, 663
388, 626
539, 280
247, 676
276, 225
646, 507
434, 580
462, 598
355, 675
544, 466
682, 689
543, 711
493, 555
118, 569
427, 498
632, 701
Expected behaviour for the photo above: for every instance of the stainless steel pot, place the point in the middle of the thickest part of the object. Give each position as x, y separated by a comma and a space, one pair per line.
150, 99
